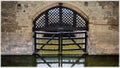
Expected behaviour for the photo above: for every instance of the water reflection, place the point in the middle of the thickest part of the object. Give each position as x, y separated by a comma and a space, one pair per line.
60, 61
53, 61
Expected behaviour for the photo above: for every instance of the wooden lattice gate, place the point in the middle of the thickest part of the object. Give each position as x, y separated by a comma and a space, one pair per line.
60, 20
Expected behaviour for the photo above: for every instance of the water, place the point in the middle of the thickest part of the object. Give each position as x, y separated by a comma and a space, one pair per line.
59, 61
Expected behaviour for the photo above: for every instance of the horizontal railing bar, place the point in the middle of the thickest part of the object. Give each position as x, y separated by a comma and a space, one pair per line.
59, 32
62, 49
72, 43
63, 56
62, 62
49, 49
45, 56
62, 44
46, 44
64, 38
73, 49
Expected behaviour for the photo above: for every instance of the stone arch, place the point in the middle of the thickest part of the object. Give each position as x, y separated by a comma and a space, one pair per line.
65, 4
52, 6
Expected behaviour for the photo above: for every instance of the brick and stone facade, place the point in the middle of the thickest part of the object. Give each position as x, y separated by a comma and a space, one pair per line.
17, 22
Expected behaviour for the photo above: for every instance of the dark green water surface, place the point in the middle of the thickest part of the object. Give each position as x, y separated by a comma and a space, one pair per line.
59, 61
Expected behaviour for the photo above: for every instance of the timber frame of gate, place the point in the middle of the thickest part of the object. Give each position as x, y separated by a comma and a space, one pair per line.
68, 20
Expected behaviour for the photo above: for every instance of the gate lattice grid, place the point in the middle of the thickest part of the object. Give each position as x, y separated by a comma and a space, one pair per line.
64, 21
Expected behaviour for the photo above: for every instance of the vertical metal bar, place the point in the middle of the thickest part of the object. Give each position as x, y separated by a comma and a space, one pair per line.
60, 15
60, 60
74, 19
85, 42
60, 23
46, 18
60, 44
35, 46
34, 22
87, 26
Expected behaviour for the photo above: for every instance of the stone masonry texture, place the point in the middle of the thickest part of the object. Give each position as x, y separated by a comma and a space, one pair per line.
17, 22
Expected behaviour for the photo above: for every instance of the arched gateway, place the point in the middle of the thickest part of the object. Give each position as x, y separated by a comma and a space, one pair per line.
60, 23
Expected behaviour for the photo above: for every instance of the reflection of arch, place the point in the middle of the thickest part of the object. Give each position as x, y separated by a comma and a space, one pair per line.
60, 17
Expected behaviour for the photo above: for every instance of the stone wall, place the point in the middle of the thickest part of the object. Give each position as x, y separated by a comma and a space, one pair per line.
17, 18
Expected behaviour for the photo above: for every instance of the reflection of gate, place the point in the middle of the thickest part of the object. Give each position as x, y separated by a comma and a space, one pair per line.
60, 21
60, 61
